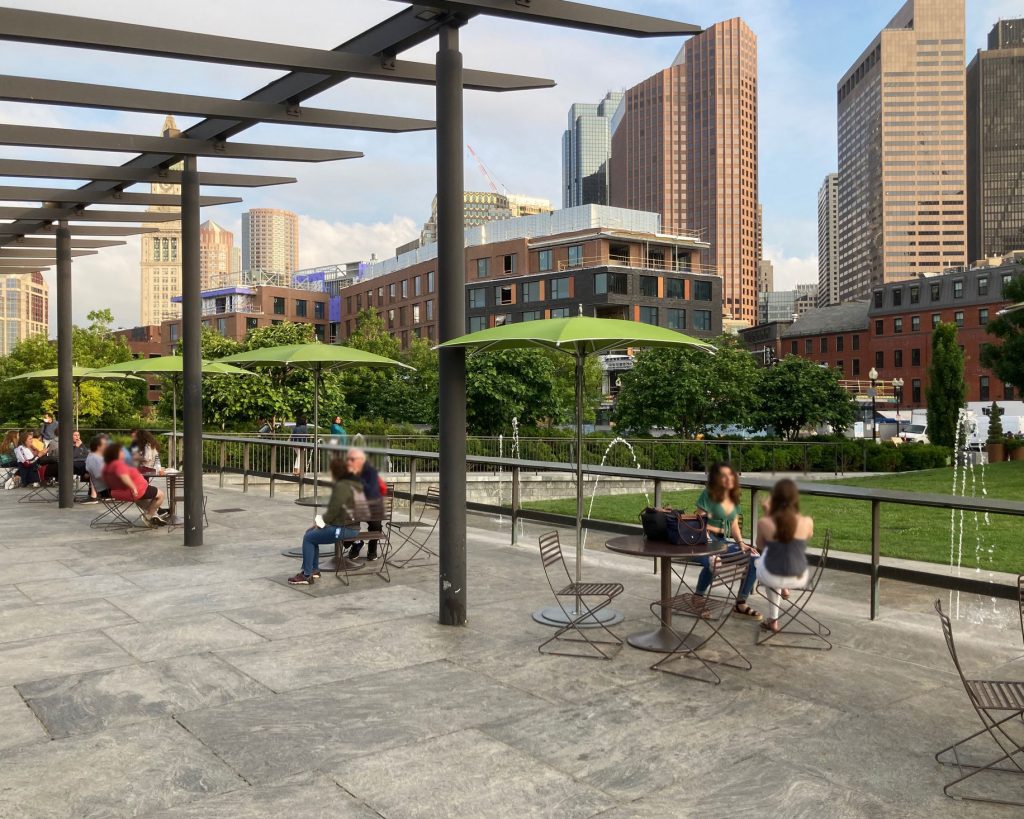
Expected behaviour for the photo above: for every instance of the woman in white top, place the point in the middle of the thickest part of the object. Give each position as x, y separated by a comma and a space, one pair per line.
782, 536
26, 455
146, 455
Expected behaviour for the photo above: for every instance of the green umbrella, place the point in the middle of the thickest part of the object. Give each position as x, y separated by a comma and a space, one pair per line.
171, 365
579, 337
317, 358
78, 375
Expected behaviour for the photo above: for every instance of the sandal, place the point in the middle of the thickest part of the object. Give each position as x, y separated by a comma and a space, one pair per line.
784, 593
747, 611
772, 626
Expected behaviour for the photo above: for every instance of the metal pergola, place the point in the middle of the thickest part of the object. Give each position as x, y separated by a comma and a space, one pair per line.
373, 55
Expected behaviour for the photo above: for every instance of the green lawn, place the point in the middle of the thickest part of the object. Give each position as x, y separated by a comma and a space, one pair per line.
907, 532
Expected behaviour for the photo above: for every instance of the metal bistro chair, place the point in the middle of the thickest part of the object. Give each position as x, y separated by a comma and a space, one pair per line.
711, 613
114, 516
346, 568
419, 533
794, 620
996, 703
579, 610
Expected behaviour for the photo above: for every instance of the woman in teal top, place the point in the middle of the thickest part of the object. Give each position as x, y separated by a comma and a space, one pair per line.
720, 501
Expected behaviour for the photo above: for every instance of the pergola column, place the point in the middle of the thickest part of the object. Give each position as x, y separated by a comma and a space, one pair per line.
451, 297
65, 375
191, 341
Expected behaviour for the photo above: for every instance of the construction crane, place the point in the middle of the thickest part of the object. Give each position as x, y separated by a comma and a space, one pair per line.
487, 175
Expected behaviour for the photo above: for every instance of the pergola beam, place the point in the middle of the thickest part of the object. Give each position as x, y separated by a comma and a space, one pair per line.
78, 215
22, 25
86, 95
76, 230
37, 254
563, 13
22, 270
51, 242
15, 193
34, 136
43, 169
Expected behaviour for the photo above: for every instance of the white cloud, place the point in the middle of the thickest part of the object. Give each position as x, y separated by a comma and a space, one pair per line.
792, 270
323, 242
111, 279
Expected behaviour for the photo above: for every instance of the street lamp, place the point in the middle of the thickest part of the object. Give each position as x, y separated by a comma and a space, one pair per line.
897, 389
873, 375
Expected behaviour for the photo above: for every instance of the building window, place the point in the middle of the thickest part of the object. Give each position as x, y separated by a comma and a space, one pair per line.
897, 325
405, 288
391, 291
702, 291
222, 327
983, 388
676, 318
983, 316
475, 323
417, 286
823, 344
897, 358
252, 323
321, 332
477, 298
936, 291
649, 315
531, 292
958, 288
649, 286
508, 263
897, 297
503, 295
391, 319
402, 313
483, 267
879, 359
915, 323
319, 311
415, 314
532, 315
505, 318
575, 255
559, 312
614, 283
430, 309
380, 296
560, 288
545, 261
840, 343
856, 366
982, 285
702, 320
839, 366
1006, 280
915, 294
936, 320
359, 302
915, 357
279, 306
856, 343
879, 296
1008, 392
915, 391
673, 288
958, 317
794, 348
879, 327
808, 346
430, 281
301, 308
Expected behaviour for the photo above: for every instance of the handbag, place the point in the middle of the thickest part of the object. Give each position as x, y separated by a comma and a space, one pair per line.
656, 523
690, 530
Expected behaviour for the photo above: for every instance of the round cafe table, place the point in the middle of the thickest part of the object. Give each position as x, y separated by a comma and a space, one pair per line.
659, 639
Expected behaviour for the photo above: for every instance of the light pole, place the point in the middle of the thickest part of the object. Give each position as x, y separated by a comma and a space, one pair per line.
873, 375
897, 389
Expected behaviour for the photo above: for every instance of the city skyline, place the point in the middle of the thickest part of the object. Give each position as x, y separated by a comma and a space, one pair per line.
377, 203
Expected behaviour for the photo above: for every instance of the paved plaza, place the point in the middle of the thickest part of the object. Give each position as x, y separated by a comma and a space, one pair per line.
141, 678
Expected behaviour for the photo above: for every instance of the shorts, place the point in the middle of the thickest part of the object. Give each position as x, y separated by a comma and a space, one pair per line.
125, 495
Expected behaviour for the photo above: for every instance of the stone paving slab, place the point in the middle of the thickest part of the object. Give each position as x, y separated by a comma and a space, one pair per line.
180, 636
11, 597
41, 659
25, 622
221, 596
20, 725
76, 588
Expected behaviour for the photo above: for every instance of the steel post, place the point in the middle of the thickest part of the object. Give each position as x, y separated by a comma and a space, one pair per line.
876, 555
515, 505
65, 370
191, 340
451, 297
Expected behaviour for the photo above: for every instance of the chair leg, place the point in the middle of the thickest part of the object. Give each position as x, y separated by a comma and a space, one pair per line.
987, 729
573, 625
992, 766
795, 622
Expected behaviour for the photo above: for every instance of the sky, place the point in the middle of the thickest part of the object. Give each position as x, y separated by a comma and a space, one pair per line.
353, 208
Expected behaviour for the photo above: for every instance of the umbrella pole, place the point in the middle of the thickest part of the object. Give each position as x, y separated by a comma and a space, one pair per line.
579, 471
78, 402
174, 423
316, 432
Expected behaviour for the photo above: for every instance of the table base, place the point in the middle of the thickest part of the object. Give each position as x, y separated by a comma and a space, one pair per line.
555, 617
660, 640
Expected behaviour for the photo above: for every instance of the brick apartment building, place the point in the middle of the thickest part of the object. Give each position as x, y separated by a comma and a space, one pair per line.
613, 262
892, 331
146, 342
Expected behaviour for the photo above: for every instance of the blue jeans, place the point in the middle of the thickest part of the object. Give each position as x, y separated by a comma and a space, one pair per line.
705, 573
315, 538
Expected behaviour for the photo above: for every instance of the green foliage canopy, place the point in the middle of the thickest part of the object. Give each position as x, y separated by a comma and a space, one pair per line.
1006, 359
946, 390
796, 394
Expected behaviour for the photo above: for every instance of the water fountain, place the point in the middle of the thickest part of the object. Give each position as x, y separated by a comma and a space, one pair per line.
597, 478
501, 476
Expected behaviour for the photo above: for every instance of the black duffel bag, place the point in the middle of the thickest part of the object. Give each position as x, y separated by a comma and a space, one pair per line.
689, 530
658, 523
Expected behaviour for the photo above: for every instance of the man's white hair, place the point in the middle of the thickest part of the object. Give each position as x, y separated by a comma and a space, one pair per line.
356, 452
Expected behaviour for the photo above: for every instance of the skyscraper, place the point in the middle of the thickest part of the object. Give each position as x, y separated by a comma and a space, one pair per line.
216, 253
828, 241
685, 146
24, 309
902, 175
270, 241
586, 146
765, 276
995, 148
161, 260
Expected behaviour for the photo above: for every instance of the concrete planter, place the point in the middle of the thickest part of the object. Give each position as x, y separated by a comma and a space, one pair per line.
996, 453
1017, 454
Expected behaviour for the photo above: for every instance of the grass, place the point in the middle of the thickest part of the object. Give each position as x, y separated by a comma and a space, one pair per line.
907, 532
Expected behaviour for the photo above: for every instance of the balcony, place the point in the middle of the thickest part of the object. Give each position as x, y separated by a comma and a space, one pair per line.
662, 266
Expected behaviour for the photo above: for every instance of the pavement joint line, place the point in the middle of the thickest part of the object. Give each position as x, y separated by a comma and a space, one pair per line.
212, 752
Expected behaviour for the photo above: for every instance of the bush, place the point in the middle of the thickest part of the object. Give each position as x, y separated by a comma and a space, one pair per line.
922, 456
883, 457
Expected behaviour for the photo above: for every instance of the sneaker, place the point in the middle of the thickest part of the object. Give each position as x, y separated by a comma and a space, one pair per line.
316, 574
354, 550
371, 557
35, 485
9, 483
89, 501
157, 521
301, 580
161, 516
149, 523
163, 512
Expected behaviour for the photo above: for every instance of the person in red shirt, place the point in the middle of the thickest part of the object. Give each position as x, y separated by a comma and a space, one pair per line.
127, 483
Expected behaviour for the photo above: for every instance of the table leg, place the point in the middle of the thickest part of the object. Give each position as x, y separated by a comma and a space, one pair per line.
660, 639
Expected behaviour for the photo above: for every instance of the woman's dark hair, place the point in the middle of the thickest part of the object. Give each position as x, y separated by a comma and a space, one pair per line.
144, 438
714, 484
338, 468
785, 509
111, 453
25, 435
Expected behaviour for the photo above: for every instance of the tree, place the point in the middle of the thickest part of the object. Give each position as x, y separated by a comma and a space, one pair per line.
995, 424
565, 387
689, 390
1006, 359
509, 384
946, 390
796, 394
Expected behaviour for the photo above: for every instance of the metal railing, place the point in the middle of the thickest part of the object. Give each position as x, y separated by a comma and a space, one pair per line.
660, 265
277, 461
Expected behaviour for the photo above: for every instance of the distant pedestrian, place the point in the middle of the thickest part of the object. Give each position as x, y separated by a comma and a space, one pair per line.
300, 433
49, 429
339, 433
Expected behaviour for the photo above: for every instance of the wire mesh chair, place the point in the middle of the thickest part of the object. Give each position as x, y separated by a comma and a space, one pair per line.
345, 568
113, 516
416, 534
710, 612
996, 703
580, 609
795, 623
8, 476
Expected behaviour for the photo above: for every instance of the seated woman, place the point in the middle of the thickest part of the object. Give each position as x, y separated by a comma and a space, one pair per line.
127, 484
94, 467
8, 461
339, 520
720, 501
146, 452
782, 537
26, 456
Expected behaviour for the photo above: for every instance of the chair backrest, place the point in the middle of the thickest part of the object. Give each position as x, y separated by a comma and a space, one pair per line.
433, 496
947, 632
730, 571
819, 569
551, 554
